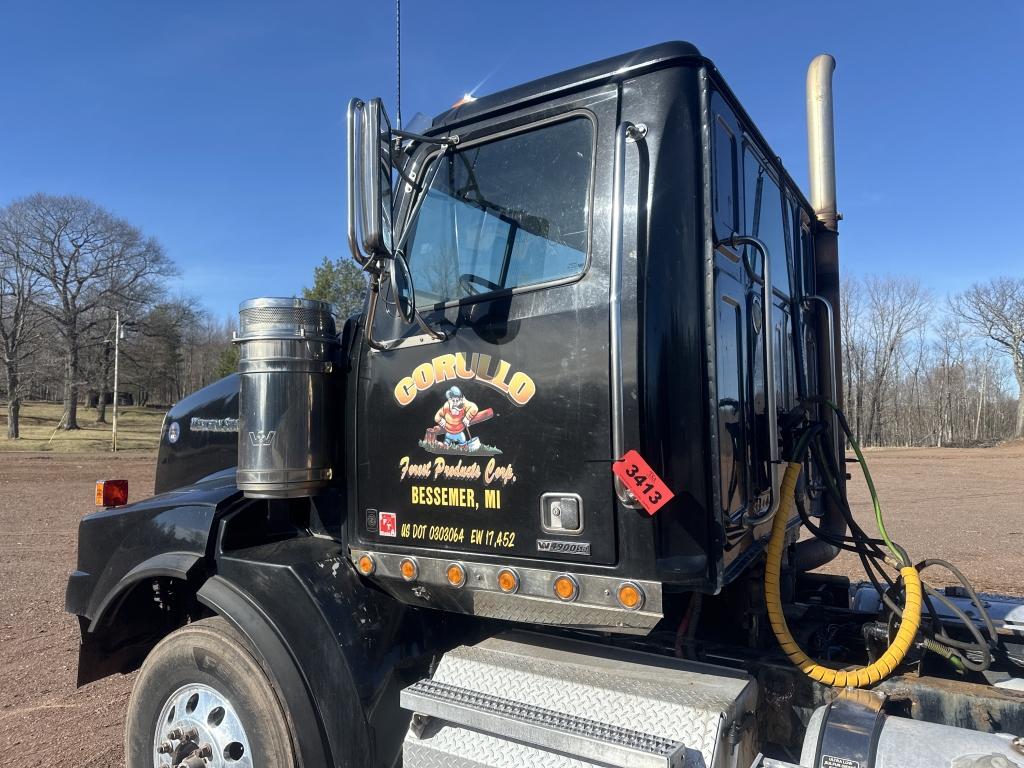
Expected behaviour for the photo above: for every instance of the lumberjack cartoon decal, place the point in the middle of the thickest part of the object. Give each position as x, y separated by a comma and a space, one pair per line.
451, 435
455, 421
455, 416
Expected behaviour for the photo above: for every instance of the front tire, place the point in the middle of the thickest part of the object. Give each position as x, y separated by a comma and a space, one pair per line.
202, 694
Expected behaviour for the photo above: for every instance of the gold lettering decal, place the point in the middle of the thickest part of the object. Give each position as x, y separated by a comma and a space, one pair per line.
521, 388
405, 391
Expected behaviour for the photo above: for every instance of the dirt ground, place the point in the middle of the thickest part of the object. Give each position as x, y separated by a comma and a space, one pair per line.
43, 719
963, 505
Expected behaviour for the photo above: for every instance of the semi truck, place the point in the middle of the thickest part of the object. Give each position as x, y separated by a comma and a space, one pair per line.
561, 493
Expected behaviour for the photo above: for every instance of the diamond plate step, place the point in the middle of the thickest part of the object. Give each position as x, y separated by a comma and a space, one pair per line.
523, 699
586, 738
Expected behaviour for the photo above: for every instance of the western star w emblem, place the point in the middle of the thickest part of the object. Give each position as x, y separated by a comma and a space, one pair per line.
262, 439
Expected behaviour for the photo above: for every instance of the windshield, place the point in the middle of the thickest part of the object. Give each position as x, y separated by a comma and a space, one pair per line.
507, 213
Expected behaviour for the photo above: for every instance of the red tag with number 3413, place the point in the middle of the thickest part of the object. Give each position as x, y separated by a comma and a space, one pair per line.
637, 475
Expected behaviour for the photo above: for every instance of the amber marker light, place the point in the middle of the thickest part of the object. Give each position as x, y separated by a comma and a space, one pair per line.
365, 565
111, 493
456, 575
508, 580
409, 569
631, 596
566, 588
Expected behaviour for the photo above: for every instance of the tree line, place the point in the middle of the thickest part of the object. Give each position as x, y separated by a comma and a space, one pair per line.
923, 371
918, 370
68, 268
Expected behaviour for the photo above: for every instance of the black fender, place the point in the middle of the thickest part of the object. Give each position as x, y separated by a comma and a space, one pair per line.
336, 648
305, 723
121, 552
330, 642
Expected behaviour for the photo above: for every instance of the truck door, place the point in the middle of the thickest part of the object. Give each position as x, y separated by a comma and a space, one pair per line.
496, 440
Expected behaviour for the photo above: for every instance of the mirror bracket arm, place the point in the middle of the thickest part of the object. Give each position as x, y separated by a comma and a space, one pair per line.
371, 312
436, 335
450, 141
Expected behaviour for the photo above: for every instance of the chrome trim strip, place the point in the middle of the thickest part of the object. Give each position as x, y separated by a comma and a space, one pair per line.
595, 607
623, 134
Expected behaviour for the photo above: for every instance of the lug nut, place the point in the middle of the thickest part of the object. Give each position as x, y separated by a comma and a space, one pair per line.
174, 734
205, 750
165, 748
192, 762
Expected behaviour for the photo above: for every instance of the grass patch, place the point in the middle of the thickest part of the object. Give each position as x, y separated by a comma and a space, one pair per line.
137, 429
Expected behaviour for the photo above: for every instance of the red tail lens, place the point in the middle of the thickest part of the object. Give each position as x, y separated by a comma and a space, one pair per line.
111, 493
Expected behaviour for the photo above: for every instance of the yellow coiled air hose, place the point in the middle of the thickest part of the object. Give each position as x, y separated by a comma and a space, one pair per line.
857, 678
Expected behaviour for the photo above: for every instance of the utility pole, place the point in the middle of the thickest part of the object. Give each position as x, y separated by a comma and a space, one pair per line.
117, 349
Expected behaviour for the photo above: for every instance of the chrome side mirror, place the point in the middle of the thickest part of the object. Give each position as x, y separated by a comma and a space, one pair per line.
370, 188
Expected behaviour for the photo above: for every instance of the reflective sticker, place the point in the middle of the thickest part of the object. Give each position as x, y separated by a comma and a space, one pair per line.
830, 761
642, 481
388, 524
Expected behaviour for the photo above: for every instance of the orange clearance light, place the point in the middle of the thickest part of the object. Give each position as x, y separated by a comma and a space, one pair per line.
409, 569
566, 588
456, 575
366, 565
111, 493
508, 580
631, 596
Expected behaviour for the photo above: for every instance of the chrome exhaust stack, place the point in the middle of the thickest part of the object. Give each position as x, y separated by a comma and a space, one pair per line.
821, 146
821, 162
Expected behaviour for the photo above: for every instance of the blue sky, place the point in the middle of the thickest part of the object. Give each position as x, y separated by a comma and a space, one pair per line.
218, 127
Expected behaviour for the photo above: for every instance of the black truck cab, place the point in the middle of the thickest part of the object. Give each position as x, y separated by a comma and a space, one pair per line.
598, 306
574, 251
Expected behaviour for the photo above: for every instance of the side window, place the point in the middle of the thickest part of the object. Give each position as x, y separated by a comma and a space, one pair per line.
726, 197
507, 213
762, 203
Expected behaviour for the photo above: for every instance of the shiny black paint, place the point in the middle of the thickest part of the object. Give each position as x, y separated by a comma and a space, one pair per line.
114, 545
198, 453
352, 647
673, 283
557, 442
338, 648
122, 552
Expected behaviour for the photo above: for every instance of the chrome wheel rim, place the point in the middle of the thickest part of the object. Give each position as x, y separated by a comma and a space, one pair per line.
198, 726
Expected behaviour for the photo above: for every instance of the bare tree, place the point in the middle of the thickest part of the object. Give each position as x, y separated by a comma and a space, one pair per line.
995, 311
897, 307
87, 259
854, 349
18, 336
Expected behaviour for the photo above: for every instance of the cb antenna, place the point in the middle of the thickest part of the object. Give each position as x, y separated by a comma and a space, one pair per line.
398, 63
